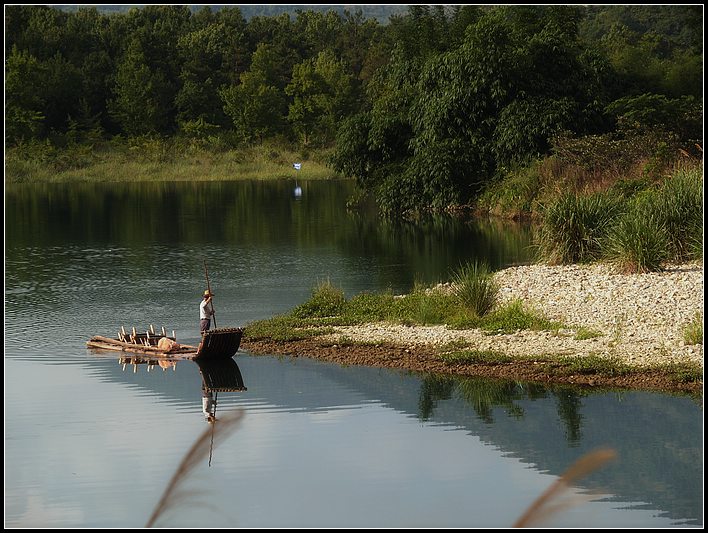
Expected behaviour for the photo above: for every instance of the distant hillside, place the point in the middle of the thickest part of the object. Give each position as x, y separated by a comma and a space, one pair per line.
380, 12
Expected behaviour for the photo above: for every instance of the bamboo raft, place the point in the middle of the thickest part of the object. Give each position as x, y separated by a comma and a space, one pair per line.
221, 343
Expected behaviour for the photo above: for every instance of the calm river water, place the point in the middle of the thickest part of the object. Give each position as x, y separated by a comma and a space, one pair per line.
91, 441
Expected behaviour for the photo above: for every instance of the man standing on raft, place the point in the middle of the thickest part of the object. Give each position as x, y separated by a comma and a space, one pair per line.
206, 311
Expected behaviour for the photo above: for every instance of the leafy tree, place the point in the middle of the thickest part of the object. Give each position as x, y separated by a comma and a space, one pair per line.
62, 92
393, 92
461, 17
654, 49
323, 94
24, 105
257, 105
374, 146
152, 62
423, 32
83, 34
308, 90
278, 32
97, 72
680, 26
205, 60
199, 101
204, 17
267, 62
16, 21
376, 57
317, 31
254, 107
497, 99
681, 117
353, 156
354, 39
138, 105
683, 75
44, 34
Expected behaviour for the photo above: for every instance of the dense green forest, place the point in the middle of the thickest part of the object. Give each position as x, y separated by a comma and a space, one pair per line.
380, 12
427, 110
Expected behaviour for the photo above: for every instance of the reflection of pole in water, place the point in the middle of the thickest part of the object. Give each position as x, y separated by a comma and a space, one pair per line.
213, 427
209, 401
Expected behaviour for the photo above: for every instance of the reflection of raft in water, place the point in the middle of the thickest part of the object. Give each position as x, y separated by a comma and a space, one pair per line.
221, 375
221, 343
218, 374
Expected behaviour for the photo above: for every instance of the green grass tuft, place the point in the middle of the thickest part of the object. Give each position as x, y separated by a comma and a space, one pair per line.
282, 328
370, 307
583, 333
679, 203
326, 301
590, 364
478, 357
475, 287
693, 332
423, 306
516, 316
683, 372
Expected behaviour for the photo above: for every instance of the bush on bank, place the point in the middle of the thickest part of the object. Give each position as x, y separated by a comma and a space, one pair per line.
639, 231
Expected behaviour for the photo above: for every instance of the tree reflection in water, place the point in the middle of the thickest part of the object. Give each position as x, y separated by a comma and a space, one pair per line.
484, 395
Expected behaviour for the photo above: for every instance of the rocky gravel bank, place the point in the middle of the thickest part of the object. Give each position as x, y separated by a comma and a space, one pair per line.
639, 318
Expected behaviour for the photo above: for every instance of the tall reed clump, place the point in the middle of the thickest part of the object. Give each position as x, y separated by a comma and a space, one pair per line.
679, 203
515, 195
660, 225
639, 241
475, 287
574, 226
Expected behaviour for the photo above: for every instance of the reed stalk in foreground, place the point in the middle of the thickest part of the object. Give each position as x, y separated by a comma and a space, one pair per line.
196, 454
539, 510
544, 506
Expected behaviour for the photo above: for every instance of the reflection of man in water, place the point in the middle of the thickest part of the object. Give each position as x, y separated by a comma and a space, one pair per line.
208, 405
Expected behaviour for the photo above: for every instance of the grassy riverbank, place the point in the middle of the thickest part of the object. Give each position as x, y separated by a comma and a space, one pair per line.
148, 159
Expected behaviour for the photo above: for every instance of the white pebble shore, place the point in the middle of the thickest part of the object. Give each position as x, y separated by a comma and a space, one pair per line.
641, 318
